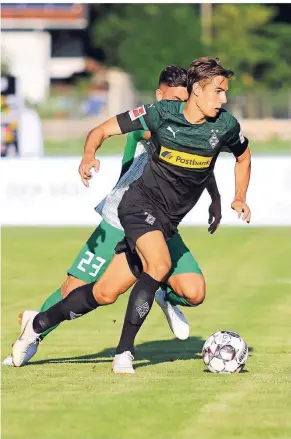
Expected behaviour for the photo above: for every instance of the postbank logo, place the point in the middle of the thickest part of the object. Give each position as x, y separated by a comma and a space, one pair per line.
166, 154
184, 159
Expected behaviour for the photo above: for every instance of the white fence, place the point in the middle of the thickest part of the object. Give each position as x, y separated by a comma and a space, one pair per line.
48, 191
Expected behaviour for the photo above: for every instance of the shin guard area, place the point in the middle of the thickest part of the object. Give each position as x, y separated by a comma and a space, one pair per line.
139, 305
141, 299
79, 302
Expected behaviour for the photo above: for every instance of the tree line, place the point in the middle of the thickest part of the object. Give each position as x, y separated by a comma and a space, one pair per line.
143, 38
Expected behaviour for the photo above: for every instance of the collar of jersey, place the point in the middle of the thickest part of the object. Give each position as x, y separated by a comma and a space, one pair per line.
182, 108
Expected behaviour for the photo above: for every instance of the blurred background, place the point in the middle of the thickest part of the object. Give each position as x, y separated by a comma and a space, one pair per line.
67, 67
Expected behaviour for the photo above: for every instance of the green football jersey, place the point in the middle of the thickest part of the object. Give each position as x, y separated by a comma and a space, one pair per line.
182, 155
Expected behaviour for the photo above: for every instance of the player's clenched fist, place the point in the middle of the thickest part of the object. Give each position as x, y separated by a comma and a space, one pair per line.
85, 169
242, 209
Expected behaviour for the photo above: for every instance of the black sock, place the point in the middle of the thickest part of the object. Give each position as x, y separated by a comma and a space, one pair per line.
139, 304
79, 302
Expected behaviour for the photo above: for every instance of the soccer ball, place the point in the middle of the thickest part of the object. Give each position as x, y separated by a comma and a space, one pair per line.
225, 352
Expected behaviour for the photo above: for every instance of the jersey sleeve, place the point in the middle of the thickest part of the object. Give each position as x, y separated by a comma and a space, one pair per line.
146, 117
235, 142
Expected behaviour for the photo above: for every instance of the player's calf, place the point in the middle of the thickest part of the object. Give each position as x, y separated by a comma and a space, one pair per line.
116, 280
139, 305
105, 295
78, 303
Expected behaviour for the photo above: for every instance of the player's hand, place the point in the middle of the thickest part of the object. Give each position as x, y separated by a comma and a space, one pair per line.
85, 168
214, 215
242, 209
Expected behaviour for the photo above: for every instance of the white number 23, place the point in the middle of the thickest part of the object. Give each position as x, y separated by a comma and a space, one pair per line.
88, 261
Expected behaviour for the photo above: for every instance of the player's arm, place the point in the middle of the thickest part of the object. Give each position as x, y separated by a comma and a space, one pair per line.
138, 119
242, 177
238, 145
93, 142
212, 187
215, 206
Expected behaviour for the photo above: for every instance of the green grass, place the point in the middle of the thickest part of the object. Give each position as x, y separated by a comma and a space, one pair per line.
68, 390
115, 145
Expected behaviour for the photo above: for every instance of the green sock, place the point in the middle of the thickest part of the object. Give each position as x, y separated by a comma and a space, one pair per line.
50, 301
174, 299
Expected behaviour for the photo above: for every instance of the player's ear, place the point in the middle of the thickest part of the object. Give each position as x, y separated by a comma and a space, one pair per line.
159, 95
196, 89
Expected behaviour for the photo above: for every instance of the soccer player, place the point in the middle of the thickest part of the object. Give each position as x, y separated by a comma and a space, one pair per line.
186, 141
172, 183
97, 253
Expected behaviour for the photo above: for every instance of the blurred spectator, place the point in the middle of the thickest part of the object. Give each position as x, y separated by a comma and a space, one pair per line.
97, 96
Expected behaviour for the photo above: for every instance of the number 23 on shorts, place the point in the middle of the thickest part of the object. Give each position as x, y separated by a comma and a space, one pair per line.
86, 263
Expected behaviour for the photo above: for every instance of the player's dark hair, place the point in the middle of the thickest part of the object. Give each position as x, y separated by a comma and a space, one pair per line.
173, 76
204, 69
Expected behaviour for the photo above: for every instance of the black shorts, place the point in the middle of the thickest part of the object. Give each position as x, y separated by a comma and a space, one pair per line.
138, 216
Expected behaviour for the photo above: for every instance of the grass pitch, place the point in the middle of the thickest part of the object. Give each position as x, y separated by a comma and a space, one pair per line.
68, 390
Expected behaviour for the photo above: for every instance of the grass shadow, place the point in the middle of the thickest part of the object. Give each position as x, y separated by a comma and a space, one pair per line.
148, 353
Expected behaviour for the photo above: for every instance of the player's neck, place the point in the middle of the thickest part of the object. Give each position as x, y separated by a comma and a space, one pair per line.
192, 113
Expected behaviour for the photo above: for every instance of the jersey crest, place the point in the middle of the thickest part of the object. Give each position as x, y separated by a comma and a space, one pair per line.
214, 140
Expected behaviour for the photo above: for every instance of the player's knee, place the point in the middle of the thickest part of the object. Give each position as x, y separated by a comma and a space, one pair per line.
159, 269
70, 284
102, 295
106, 299
196, 292
64, 287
